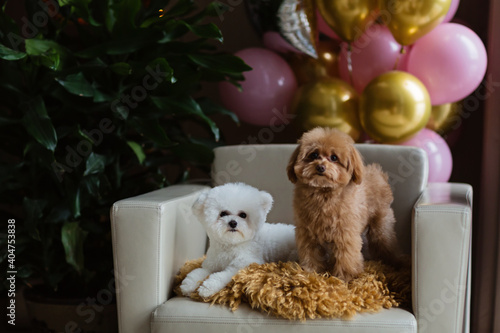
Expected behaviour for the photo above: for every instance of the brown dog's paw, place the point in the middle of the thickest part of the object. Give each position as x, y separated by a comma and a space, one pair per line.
347, 273
310, 268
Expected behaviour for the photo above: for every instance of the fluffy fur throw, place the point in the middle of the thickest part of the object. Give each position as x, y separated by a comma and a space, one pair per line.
286, 290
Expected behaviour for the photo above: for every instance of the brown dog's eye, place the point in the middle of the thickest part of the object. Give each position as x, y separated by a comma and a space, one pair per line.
334, 158
314, 156
224, 213
242, 215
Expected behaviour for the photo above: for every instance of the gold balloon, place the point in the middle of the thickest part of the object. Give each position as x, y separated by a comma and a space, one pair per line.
328, 102
307, 69
408, 20
444, 117
394, 107
348, 18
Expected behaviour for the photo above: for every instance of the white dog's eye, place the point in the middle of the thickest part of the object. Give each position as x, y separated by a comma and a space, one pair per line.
223, 213
243, 215
334, 158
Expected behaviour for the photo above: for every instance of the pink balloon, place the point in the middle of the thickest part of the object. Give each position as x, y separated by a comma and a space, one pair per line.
266, 91
450, 61
438, 154
324, 28
452, 11
272, 40
374, 53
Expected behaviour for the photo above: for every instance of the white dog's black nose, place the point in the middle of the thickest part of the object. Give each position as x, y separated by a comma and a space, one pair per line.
233, 224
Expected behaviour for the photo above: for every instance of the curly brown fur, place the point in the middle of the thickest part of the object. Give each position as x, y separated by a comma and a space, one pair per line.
286, 290
337, 198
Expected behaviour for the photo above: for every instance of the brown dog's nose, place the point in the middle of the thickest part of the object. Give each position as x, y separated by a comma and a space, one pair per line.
233, 224
320, 168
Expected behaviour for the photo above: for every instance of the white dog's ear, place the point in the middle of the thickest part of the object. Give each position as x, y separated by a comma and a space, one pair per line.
266, 201
199, 204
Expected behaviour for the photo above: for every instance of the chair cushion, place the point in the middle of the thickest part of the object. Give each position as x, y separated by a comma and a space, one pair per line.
181, 314
264, 167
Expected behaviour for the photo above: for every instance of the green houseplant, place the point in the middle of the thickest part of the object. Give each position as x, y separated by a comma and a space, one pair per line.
96, 100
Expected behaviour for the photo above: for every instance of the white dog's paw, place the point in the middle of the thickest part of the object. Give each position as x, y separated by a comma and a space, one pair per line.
215, 283
209, 288
206, 292
192, 281
187, 287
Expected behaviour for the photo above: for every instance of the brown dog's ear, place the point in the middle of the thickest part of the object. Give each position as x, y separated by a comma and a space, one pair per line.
357, 166
291, 164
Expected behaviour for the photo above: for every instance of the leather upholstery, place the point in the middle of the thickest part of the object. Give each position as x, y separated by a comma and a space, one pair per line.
155, 233
441, 232
149, 246
181, 314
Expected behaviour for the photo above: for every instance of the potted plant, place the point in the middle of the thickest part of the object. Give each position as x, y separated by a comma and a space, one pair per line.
97, 96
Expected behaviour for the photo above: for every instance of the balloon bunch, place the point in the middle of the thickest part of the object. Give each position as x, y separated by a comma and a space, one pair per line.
392, 69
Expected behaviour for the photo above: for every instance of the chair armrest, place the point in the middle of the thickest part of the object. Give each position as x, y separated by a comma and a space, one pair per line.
441, 233
153, 235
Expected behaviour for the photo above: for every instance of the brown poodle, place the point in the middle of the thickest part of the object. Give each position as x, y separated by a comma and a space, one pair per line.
336, 199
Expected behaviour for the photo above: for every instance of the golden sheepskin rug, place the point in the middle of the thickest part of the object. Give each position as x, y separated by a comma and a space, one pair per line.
286, 290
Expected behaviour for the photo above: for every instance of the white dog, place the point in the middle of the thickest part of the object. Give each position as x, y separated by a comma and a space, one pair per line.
234, 217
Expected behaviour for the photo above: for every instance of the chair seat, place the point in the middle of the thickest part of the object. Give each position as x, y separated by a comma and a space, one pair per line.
181, 314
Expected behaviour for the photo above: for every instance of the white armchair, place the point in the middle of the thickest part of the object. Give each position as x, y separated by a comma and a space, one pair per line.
155, 233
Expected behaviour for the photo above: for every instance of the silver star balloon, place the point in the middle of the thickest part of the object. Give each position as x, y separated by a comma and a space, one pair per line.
297, 25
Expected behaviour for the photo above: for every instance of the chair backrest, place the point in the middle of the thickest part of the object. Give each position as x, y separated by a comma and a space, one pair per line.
264, 167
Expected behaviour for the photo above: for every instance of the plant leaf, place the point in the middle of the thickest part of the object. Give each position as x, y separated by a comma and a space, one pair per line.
59, 213
80, 9
10, 54
51, 53
138, 151
173, 30
209, 107
121, 68
213, 9
185, 105
25, 271
224, 63
77, 84
209, 30
92, 184
36, 152
133, 42
72, 238
33, 208
72, 196
159, 69
180, 9
76, 3
95, 164
122, 14
151, 129
176, 28
38, 124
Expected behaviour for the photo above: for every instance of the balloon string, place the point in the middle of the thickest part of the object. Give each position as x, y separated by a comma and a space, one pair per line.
401, 53
349, 61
